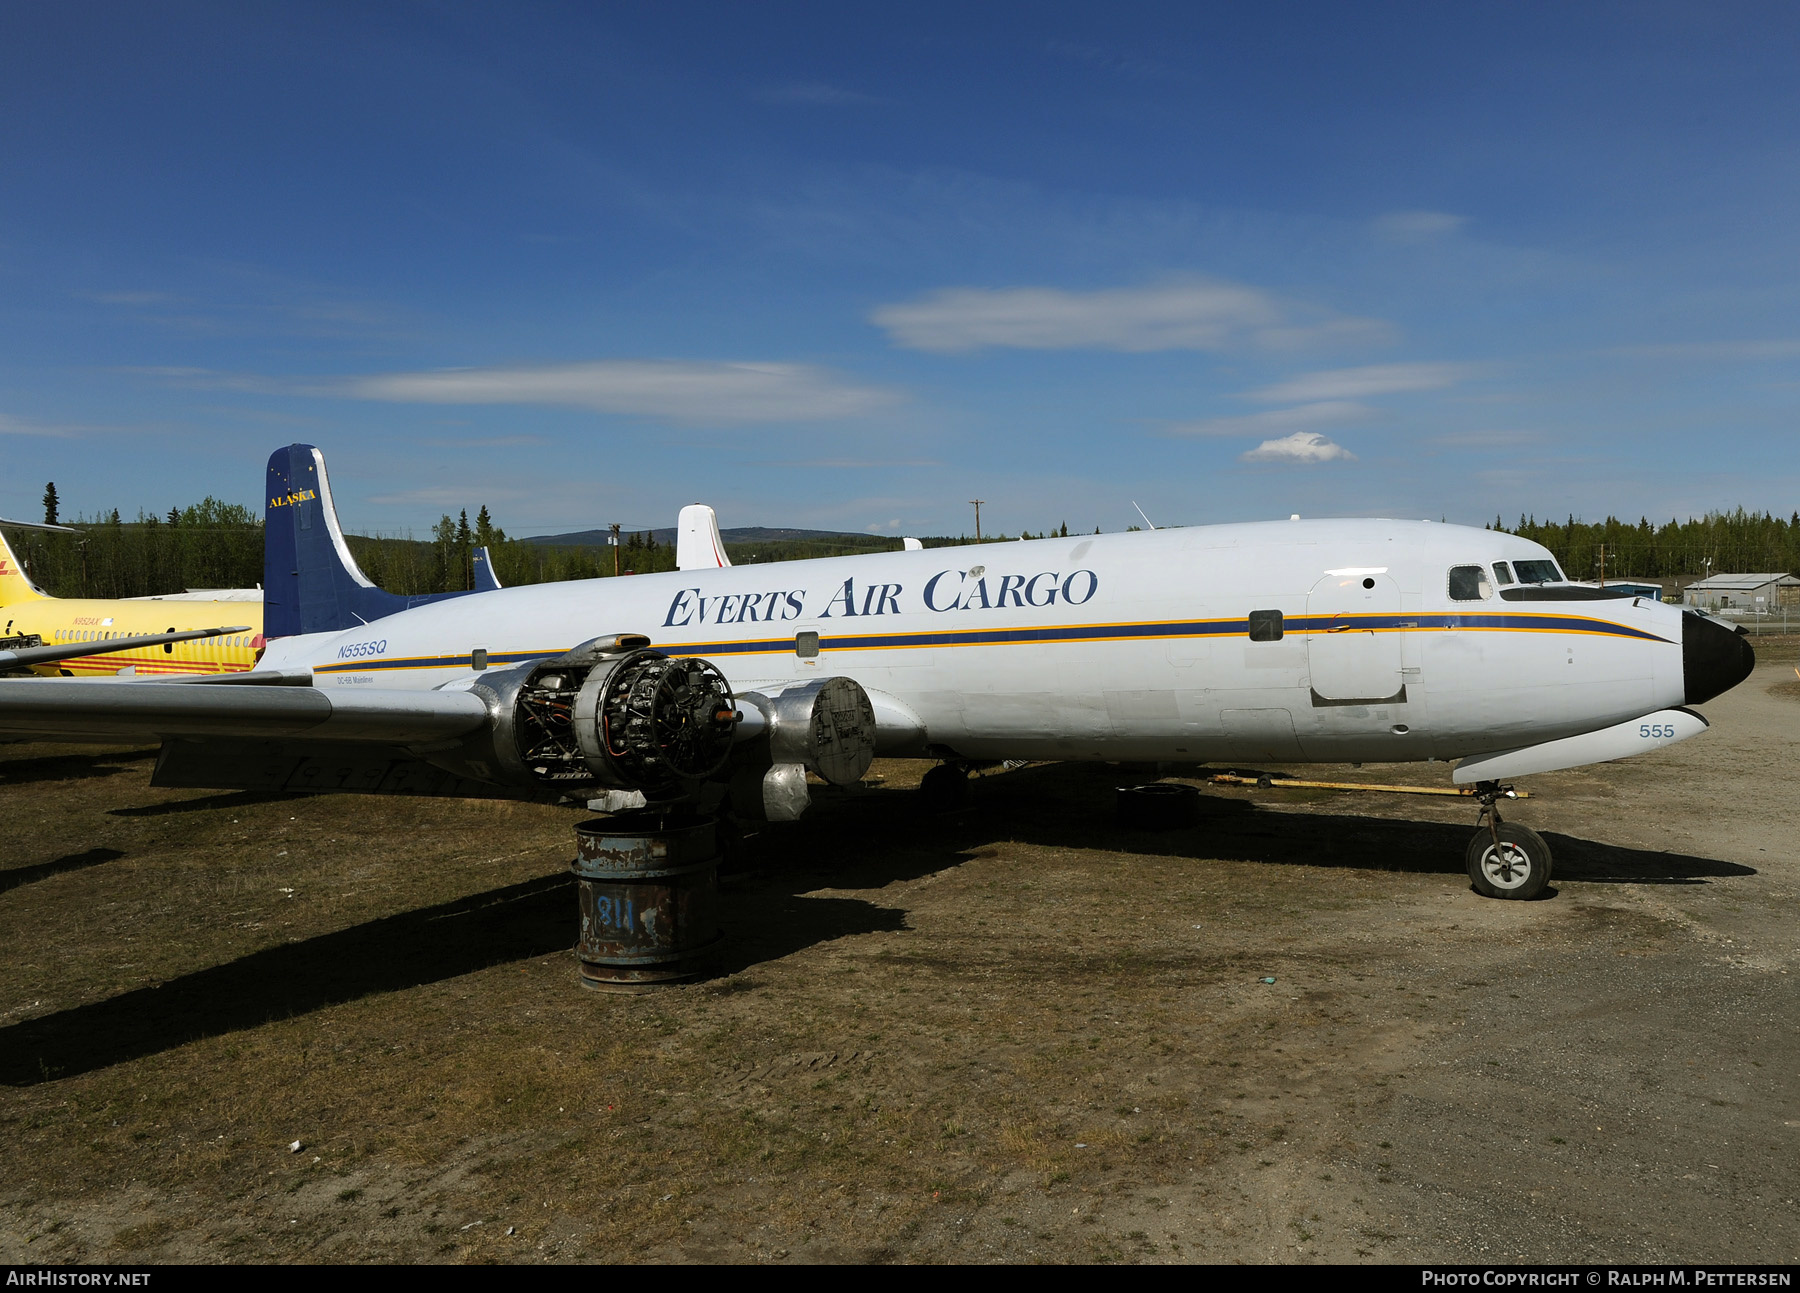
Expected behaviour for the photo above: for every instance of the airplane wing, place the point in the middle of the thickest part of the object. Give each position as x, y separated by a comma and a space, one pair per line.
38, 525
79, 709
20, 657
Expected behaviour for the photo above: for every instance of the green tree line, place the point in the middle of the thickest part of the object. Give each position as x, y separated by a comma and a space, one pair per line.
213, 544
1737, 542
209, 545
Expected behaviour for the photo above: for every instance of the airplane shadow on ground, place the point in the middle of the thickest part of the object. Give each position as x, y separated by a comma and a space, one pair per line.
44, 870
70, 767
233, 799
426, 945
1071, 806
771, 907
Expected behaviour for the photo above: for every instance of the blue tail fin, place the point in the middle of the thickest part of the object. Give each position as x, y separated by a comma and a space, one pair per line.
311, 583
486, 581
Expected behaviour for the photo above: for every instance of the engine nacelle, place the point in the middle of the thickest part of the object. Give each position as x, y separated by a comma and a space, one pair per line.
611, 713
826, 725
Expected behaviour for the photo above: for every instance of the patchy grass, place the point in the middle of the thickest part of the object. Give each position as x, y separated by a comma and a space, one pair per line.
995, 1034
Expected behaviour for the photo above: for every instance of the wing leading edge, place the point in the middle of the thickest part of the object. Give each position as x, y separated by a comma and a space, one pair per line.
87, 710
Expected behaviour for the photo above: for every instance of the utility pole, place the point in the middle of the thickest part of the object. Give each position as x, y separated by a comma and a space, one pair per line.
978, 502
1603, 565
615, 546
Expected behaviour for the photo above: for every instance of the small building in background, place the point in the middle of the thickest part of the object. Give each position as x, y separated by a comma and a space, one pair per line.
1743, 593
1637, 588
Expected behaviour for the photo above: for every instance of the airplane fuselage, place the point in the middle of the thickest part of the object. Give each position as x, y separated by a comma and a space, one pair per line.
1345, 640
61, 621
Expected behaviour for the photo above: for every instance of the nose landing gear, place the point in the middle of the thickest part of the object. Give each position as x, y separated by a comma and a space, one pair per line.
1505, 861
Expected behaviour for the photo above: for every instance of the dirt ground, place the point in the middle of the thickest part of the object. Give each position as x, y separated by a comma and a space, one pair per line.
1013, 1032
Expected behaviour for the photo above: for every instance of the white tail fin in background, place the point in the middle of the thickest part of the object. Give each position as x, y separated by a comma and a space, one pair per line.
697, 542
911, 545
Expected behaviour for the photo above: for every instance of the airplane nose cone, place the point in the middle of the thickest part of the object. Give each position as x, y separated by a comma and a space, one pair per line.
1714, 659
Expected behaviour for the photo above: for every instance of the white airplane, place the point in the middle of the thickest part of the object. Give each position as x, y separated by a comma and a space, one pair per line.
1295, 641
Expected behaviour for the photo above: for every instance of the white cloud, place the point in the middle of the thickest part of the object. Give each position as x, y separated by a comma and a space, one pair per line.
1302, 447
207, 379
678, 391
1773, 348
1360, 383
448, 496
491, 442
1195, 315
1488, 439
10, 425
1413, 226
131, 298
1324, 413
673, 390
847, 462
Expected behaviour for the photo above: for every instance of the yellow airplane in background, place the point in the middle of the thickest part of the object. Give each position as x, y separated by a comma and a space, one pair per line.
90, 637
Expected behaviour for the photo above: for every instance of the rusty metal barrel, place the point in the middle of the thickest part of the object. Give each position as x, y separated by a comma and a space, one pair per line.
648, 883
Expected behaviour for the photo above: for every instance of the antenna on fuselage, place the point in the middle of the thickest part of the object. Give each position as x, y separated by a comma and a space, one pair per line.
1140, 512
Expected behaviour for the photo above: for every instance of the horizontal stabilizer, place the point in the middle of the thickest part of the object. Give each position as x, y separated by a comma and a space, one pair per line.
1638, 736
37, 525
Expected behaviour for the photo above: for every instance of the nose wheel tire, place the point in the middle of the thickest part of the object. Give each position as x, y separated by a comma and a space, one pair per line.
1517, 867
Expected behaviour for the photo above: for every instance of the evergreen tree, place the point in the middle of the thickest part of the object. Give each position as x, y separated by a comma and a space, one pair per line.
443, 542
465, 551
50, 503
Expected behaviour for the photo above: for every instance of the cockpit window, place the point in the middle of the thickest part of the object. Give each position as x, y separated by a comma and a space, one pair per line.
1502, 575
1537, 572
1469, 584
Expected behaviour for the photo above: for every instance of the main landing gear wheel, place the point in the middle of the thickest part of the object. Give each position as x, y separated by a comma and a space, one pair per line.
1508, 861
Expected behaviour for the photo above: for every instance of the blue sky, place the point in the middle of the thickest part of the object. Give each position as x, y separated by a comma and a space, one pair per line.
849, 266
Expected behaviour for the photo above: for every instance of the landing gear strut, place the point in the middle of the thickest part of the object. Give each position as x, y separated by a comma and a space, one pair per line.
1505, 861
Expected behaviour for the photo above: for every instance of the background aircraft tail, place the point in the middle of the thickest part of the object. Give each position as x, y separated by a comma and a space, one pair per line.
697, 542
311, 583
486, 581
15, 586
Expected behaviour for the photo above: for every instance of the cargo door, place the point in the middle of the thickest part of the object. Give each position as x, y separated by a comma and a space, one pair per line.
1354, 639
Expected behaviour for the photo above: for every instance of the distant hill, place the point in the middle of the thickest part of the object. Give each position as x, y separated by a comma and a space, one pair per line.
744, 534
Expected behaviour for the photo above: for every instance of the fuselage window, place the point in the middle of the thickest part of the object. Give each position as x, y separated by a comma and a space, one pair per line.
1537, 572
1469, 584
806, 645
1502, 575
1265, 626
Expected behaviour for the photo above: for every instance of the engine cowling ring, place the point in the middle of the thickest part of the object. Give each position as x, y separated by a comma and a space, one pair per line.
651, 721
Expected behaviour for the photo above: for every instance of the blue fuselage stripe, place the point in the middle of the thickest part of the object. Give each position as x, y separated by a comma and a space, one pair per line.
1304, 624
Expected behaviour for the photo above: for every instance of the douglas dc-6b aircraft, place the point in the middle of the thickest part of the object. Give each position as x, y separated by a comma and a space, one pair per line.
1332, 641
